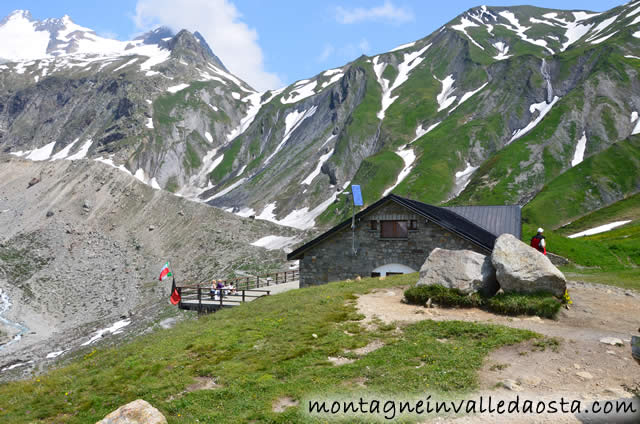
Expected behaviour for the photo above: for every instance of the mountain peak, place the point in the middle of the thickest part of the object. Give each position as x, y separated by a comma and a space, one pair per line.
192, 48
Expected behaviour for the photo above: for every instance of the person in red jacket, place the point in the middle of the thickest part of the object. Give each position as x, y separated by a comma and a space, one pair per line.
538, 243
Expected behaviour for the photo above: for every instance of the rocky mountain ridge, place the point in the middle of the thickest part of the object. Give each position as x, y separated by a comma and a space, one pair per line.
520, 94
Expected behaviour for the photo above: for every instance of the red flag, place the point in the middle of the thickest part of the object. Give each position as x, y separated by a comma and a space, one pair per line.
175, 294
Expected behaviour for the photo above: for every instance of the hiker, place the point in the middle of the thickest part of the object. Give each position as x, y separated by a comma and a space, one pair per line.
219, 288
538, 243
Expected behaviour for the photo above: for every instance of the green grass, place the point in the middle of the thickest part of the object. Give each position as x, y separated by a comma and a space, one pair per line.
225, 167
258, 353
615, 250
580, 189
541, 304
375, 174
624, 210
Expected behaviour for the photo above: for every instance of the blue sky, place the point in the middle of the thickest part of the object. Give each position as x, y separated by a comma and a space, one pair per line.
271, 43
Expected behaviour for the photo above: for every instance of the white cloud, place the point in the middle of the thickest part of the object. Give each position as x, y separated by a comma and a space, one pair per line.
233, 41
326, 52
386, 12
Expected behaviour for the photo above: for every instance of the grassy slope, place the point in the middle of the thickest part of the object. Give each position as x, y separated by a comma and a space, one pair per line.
259, 353
563, 199
626, 209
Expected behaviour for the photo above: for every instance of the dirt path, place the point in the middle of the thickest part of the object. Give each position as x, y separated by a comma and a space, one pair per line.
581, 367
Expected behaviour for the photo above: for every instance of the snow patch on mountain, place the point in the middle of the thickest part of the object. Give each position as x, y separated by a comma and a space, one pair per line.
300, 92
330, 72
227, 190
636, 129
333, 79
409, 63
542, 108
634, 116
21, 40
462, 27
174, 89
463, 178
606, 37
109, 161
445, 98
131, 62
600, 229
82, 151
521, 29
408, 157
252, 112
40, 154
502, 49
65, 152
316, 171
602, 26
301, 219
292, 121
403, 46
578, 156
468, 95
275, 242
421, 131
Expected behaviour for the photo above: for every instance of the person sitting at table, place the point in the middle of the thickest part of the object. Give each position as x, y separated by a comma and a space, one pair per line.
219, 287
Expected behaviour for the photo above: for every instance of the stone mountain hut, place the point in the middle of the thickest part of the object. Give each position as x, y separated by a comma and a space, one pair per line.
395, 236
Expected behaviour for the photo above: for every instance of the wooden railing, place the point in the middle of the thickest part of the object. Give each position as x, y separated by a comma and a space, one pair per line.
205, 298
249, 283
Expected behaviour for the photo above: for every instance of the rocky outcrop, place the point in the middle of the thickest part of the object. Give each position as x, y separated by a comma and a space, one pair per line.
521, 269
464, 270
136, 412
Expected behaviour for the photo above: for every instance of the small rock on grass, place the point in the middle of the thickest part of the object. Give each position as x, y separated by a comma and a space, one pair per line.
512, 385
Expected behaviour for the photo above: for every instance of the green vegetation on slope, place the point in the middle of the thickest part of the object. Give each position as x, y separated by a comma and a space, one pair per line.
541, 304
225, 167
572, 194
624, 210
375, 174
258, 353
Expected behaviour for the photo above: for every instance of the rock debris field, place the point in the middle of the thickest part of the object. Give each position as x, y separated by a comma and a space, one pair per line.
81, 247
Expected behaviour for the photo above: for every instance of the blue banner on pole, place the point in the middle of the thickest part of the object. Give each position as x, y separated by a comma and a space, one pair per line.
357, 195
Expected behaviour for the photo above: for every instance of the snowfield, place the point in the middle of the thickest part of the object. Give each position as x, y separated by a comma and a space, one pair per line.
600, 229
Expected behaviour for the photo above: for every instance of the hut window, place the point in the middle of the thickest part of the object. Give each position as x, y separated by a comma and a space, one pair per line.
373, 225
413, 225
393, 229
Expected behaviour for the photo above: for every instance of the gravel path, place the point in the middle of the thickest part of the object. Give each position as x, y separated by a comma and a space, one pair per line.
582, 367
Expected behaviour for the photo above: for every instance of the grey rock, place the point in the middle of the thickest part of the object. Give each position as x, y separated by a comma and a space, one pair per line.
137, 412
522, 269
613, 341
468, 271
50, 214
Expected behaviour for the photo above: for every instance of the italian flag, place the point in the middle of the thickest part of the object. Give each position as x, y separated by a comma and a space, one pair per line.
165, 272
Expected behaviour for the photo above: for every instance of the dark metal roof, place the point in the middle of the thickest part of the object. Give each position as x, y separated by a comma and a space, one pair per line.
495, 219
443, 217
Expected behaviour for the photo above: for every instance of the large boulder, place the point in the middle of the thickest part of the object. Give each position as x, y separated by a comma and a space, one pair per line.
465, 270
136, 412
522, 269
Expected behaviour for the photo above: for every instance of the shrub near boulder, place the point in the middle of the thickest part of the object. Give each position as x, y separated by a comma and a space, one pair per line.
542, 304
